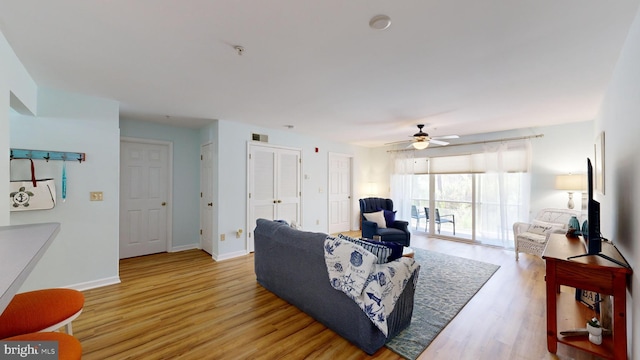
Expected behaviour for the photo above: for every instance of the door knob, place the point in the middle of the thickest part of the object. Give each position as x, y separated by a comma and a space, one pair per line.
210, 204
164, 203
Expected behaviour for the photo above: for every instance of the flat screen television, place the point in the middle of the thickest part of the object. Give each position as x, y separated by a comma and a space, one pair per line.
593, 237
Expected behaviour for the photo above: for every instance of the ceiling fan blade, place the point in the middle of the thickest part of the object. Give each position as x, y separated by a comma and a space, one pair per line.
399, 142
438, 142
446, 137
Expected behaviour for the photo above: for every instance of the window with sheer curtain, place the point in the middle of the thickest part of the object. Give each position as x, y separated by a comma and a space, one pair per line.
486, 190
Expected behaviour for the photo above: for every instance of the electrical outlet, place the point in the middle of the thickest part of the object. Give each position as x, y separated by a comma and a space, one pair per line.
318, 222
222, 237
95, 196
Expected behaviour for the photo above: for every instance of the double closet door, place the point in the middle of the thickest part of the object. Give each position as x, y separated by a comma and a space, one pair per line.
274, 185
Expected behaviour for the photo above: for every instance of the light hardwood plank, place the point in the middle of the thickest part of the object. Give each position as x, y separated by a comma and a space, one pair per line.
186, 306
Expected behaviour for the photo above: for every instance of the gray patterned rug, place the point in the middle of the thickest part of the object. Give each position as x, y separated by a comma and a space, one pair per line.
445, 285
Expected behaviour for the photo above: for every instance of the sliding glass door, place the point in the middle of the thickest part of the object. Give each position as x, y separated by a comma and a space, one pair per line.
475, 207
453, 204
475, 195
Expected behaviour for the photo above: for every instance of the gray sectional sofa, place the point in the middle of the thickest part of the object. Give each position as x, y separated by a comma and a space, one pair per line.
290, 263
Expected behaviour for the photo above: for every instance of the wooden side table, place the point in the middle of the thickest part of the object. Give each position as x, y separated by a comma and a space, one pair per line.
591, 273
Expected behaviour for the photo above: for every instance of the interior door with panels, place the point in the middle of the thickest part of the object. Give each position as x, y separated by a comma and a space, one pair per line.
274, 189
144, 196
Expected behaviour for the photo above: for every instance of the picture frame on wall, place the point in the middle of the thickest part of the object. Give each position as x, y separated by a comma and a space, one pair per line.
599, 163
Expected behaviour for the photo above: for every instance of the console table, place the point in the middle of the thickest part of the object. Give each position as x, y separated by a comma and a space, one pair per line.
591, 273
21, 246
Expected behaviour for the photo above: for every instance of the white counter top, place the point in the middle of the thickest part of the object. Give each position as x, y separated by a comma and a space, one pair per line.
21, 246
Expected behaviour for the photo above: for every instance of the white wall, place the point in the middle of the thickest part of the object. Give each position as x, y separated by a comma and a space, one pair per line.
620, 205
85, 252
563, 149
230, 139
17, 88
186, 176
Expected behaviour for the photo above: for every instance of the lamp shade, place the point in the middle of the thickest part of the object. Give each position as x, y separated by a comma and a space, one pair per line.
571, 182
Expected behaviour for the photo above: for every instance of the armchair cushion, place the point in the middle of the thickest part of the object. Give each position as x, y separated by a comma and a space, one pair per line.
538, 229
389, 217
378, 218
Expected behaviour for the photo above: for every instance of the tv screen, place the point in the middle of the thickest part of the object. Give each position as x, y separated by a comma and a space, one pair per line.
593, 238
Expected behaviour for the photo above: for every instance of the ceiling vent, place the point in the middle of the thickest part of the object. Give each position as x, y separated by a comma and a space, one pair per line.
260, 137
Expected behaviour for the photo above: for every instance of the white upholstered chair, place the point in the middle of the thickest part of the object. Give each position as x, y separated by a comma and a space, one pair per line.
531, 238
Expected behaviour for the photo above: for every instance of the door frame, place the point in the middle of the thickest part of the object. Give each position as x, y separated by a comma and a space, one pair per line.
169, 144
202, 211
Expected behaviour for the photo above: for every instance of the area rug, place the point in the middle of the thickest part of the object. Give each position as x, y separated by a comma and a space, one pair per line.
445, 285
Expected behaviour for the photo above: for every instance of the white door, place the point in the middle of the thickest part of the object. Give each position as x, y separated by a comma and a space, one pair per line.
274, 186
288, 185
144, 197
206, 199
339, 193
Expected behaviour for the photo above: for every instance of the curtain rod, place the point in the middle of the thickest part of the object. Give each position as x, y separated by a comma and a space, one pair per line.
481, 142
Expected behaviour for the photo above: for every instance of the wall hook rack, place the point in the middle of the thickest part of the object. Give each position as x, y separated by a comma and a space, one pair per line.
46, 155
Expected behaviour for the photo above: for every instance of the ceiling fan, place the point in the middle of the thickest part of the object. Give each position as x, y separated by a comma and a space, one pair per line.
421, 139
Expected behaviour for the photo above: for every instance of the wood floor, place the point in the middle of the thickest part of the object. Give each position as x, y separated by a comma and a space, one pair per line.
186, 306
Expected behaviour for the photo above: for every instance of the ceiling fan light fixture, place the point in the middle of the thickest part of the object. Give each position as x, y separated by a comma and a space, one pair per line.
420, 145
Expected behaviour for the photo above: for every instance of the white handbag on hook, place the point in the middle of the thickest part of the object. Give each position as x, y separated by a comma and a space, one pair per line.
34, 194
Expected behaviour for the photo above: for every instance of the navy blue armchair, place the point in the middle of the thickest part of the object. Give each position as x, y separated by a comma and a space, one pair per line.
396, 231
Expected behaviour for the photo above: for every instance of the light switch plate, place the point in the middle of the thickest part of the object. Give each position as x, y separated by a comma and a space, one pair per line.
95, 196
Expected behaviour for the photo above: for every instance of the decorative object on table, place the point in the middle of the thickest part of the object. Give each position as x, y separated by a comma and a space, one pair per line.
34, 194
589, 298
571, 183
585, 229
595, 331
574, 227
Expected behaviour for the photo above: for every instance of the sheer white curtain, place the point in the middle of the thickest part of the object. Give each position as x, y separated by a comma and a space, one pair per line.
403, 166
502, 191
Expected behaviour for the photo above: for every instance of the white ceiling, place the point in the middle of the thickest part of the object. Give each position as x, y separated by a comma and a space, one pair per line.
460, 66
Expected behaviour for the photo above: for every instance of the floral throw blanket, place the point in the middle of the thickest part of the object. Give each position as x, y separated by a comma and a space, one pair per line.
374, 287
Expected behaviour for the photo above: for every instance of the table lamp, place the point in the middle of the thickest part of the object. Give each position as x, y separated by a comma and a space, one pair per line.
571, 183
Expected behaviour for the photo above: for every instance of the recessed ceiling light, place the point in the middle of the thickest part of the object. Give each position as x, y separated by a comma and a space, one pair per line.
380, 22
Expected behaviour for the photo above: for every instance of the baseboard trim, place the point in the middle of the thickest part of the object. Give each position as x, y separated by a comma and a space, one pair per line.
228, 256
95, 283
184, 247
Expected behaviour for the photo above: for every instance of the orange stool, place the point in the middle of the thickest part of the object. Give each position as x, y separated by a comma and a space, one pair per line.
69, 348
41, 310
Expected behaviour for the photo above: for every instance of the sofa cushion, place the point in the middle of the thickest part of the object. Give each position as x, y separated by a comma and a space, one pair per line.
378, 218
554, 226
539, 238
538, 229
384, 251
